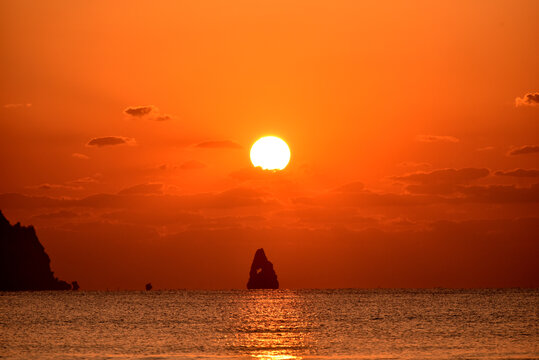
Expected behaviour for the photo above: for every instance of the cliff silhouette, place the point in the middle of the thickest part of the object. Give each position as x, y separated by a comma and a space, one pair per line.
262, 275
24, 264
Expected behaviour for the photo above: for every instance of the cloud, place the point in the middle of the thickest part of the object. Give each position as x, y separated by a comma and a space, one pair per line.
444, 176
142, 189
500, 194
232, 198
148, 111
47, 186
255, 173
110, 141
485, 148
15, 106
86, 180
353, 187
80, 156
523, 150
366, 198
413, 164
21, 201
280, 183
491, 194
323, 217
436, 138
76, 184
62, 214
519, 173
219, 144
146, 196
529, 99
423, 196
191, 165
163, 117
139, 111
442, 181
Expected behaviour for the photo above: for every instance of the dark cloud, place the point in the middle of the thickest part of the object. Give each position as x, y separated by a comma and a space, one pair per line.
236, 197
62, 214
519, 173
436, 138
523, 150
323, 217
147, 111
444, 176
529, 99
367, 198
139, 111
110, 141
146, 196
219, 144
431, 189
500, 194
456, 183
76, 184
20, 201
163, 117
48, 186
142, 189
494, 194
351, 187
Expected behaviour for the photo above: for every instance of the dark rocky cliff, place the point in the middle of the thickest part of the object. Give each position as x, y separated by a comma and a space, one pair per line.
24, 264
262, 275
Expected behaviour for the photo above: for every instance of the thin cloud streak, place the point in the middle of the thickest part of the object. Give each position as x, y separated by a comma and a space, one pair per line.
524, 150
436, 138
110, 141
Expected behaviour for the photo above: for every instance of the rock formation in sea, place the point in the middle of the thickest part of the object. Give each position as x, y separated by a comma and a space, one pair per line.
148, 286
262, 275
24, 264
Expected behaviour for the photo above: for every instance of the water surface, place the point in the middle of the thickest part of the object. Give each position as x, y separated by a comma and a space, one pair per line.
271, 324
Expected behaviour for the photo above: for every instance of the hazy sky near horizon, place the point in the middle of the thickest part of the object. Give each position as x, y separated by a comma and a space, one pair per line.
125, 130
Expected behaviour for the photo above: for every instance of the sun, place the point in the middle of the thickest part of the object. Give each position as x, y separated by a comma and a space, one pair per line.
270, 153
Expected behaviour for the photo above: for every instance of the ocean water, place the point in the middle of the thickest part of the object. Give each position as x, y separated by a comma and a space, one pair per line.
271, 324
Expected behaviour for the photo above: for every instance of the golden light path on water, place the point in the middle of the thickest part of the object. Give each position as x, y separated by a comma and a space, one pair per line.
273, 326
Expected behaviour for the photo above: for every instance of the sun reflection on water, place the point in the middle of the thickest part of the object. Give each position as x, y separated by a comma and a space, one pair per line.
272, 325
272, 356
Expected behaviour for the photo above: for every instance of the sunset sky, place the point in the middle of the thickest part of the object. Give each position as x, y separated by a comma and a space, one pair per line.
126, 126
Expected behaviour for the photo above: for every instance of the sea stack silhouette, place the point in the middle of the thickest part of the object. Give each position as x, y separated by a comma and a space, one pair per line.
262, 275
24, 264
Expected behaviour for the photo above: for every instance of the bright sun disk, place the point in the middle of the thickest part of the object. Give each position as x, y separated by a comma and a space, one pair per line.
270, 153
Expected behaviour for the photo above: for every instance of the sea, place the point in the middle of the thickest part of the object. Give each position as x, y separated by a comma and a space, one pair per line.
271, 324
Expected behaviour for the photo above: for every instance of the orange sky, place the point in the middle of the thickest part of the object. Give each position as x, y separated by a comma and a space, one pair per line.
125, 130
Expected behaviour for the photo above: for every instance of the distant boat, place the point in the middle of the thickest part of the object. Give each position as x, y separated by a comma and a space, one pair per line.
148, 286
